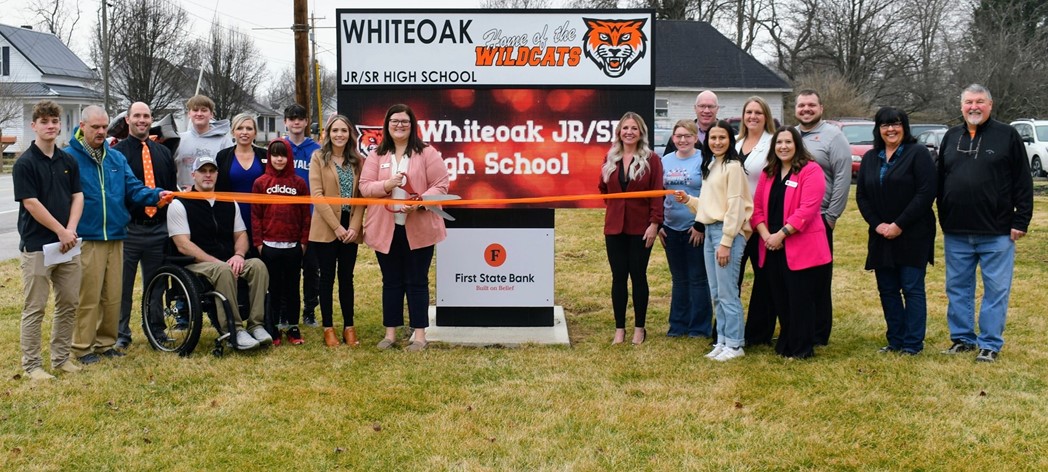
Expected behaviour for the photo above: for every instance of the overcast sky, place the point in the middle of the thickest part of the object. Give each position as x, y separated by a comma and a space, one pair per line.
276, 45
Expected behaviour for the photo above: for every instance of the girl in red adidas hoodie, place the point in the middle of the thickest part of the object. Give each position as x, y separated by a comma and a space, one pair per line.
280, 232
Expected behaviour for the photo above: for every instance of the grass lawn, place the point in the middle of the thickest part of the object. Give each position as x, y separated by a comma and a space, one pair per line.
590, 406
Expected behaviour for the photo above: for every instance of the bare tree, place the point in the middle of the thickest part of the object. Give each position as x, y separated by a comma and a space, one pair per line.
148, 44
791, 28
57, 17
281, 94
234, 69
593, 4
1005, 51
10, 105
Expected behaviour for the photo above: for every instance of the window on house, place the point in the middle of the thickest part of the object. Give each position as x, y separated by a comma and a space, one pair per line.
662, 108
5, 61
272, 124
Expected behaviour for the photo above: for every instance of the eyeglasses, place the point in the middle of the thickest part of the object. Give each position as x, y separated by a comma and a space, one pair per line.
683, 136
891, 125
969, 151
400, 123
707, 107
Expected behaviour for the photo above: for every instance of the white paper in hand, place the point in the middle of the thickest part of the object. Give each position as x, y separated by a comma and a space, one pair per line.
53, 253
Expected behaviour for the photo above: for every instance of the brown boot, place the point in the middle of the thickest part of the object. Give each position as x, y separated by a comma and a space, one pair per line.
349, 335
329, 337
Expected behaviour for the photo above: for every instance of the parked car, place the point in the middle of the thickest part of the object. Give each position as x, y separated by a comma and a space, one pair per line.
932, 139
918, 129
859, 134
1035, 135
659, 138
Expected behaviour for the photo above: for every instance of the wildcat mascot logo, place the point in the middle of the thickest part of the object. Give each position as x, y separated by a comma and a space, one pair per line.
615, 45
369, 138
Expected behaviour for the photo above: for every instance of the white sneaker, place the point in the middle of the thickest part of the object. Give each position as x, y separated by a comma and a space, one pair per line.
717, 349
730, 353
260, 334
245, 341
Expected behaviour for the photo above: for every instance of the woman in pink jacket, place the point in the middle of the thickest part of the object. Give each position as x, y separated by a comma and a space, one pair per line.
403, 236
786, 215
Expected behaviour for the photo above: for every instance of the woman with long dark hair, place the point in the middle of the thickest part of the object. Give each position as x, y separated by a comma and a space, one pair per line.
895, 188
725, 209
334, 233
631, 224
793, 244
403, 236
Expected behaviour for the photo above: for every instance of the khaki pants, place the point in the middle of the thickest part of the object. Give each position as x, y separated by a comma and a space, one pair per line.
97, 317
221, 277
36, 282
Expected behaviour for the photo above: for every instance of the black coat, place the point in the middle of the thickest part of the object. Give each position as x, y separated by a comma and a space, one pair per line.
224, 160
905, 198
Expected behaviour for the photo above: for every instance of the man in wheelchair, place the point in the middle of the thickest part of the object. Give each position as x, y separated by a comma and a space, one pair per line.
214, 235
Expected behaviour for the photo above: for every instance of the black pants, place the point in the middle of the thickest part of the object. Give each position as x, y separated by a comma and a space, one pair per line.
310, 281
405, 272
760, 318
793, 293
283, 265
824, 296
629, 260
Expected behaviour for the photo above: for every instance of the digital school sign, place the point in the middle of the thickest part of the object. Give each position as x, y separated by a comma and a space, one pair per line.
519, 103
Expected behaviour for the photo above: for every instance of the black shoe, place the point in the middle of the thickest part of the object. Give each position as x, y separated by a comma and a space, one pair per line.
309, 320
122, 344
111, 353
959, 347
88, 359
986, 355
887, 349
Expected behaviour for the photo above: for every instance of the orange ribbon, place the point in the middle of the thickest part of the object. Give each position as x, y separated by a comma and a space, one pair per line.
288, 199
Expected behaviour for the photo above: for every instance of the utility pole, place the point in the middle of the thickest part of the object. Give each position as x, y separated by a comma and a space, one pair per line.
105, 55
301, 28
316, 74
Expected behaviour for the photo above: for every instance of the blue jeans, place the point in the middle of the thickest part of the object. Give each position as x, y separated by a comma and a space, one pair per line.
724, 289
905, 306
996, 255
690, 309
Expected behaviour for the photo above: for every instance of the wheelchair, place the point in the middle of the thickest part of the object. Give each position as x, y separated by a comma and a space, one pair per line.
174, 302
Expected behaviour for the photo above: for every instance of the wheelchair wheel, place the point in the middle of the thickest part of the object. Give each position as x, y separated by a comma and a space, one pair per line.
171, 311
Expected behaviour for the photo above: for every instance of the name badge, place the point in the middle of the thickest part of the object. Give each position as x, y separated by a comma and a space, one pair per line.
790, 183
384, 166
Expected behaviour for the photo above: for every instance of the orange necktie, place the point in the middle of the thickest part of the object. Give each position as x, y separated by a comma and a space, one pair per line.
147, 172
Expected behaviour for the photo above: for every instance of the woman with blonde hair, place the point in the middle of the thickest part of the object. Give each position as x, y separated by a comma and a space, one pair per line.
630, 224
753, 144
335, 229
239, 165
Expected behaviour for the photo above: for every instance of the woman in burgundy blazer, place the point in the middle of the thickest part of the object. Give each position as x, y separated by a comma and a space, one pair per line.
794, 250
630, 224
403, 236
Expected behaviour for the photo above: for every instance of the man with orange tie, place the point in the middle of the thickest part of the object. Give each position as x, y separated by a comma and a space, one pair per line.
147, 232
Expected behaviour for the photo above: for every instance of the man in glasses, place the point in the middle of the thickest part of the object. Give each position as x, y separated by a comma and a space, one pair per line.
831, 151
985, 204
706, 107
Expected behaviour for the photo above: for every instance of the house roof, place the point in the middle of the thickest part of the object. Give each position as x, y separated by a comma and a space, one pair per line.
46, 52
39, 89
680, 60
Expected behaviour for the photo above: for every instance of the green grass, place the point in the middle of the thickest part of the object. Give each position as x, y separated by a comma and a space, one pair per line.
590, 406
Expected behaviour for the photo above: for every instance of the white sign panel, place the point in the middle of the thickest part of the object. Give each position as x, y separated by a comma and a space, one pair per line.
495, 267
391, 48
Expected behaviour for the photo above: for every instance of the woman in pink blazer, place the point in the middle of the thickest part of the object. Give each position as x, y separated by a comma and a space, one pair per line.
403, 236
786, 215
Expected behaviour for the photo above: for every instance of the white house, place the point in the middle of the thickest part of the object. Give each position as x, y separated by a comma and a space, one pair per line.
35, 66
692, 56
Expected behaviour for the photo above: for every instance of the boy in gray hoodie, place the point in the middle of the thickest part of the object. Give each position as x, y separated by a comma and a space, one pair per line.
203, 138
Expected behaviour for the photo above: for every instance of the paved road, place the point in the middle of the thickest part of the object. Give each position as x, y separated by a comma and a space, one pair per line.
8, 219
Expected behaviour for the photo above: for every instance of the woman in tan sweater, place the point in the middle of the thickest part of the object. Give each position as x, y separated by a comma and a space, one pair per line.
724, 207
